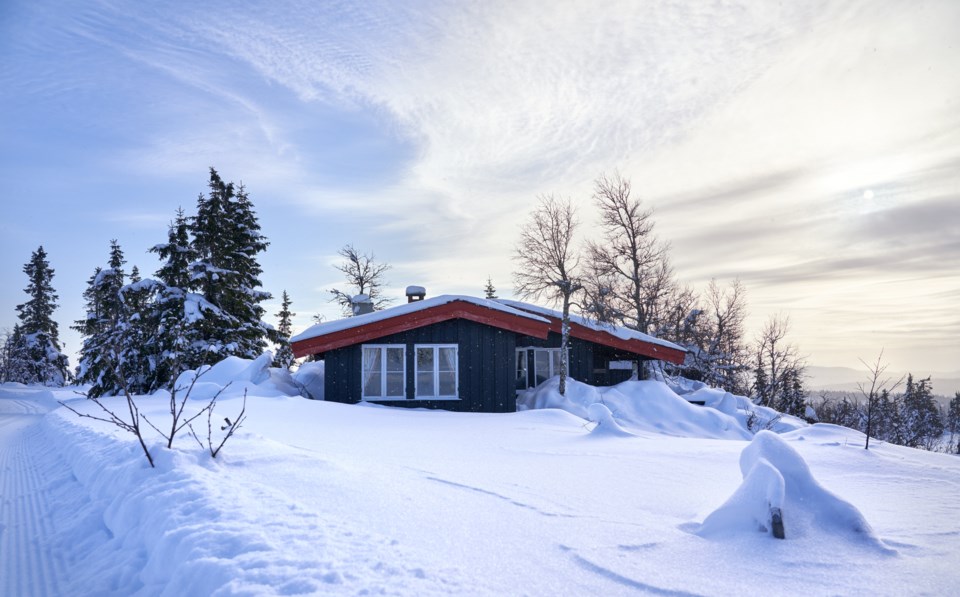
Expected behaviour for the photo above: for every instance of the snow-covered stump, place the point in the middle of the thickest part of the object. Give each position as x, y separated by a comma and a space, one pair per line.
779, 495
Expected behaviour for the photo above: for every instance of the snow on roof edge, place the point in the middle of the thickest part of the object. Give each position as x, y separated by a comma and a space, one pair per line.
613, 330
329, 327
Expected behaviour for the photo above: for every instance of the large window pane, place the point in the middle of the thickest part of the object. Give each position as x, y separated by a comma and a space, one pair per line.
372, 379
425, 384
395, 359
521, 369
448, 383
541, 365
425, 369
372, 384
448, 358
395, 384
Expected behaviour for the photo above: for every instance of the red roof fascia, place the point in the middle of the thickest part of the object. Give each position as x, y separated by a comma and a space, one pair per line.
417, 319
634, 345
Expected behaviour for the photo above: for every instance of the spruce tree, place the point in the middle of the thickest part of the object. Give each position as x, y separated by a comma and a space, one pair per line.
244, 294
489, 291
922, 420
177, 341
36, 346
284, 356
953, 423
225, 272
101, 328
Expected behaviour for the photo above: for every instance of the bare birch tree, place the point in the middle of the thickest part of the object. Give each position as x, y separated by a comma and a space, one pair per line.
365, 275
548, 264
872, 392
779, 368
630, 257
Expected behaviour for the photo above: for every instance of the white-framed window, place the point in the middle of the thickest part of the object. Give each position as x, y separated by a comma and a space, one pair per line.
436, 372
384, 372
546, 364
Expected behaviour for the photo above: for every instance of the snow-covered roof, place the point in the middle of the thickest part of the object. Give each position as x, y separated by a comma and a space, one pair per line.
617, 331
339, 325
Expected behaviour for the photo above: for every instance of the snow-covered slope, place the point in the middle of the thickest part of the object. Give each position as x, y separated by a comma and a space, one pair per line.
314, 497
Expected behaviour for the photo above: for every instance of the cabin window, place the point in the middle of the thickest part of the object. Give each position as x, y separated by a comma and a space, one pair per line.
436, 371
384, 372
546, 364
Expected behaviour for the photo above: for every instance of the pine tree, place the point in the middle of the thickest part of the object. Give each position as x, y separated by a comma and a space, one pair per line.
953, 423
135, 333
284, 356
225, 272
35, 344
101, 328
177, 340
922, 421
489, 292
243, 296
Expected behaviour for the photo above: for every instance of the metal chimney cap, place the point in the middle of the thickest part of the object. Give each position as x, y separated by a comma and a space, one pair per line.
416, 293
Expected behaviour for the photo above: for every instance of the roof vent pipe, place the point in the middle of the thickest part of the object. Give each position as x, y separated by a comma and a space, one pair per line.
416, 293
361, 304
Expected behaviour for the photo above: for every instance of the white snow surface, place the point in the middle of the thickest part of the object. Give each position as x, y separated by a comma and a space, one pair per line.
775, 475
338, 325
319, 498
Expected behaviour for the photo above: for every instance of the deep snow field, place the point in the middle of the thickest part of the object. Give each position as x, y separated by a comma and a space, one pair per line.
310, 497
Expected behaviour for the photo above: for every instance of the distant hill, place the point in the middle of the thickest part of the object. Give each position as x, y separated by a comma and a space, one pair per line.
845, 379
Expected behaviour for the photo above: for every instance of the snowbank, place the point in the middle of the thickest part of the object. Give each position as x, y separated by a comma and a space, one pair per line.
777, 479
233, 376
641, 405
309, 376
19, 398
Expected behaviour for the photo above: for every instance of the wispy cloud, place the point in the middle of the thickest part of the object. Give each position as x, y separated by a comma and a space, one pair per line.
807, 148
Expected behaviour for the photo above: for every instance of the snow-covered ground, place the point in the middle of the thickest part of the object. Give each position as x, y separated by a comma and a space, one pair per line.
314, 497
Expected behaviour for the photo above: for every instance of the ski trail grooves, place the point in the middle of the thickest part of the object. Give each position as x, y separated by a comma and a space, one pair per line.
28, 541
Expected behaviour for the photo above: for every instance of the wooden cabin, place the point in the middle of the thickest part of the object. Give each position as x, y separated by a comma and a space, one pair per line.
466, 354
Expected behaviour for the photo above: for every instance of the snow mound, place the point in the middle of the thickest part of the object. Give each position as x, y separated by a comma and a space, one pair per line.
17, 398
310, 378
607, 426
638, 405
234, 375
776, 478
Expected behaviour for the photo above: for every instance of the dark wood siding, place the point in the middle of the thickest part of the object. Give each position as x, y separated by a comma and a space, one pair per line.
581, 354
589, 362
485, 367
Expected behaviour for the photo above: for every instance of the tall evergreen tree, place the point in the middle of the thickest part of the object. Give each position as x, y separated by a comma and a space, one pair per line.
177, 342
101, 328
36, 344
225, 271
244, 296
284, 356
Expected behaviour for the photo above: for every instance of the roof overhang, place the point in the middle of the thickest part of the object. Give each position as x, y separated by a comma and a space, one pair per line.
456, 309
632, 345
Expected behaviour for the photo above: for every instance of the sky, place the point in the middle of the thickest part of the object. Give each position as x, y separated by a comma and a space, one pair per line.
810, 149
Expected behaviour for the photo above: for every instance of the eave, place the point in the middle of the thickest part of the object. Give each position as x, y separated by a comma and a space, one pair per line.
456, 309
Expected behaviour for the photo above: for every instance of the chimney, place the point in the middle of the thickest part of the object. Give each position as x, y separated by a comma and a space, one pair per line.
416, 293
361, 304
